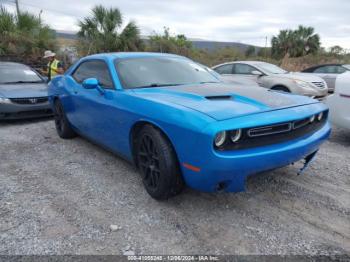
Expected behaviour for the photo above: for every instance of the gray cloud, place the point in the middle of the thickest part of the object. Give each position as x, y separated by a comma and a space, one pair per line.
248, 21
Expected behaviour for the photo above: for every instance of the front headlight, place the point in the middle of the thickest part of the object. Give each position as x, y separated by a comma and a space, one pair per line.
220, 139
312, 118
236, 135
4, 100
303, 84
320, 116
224, 138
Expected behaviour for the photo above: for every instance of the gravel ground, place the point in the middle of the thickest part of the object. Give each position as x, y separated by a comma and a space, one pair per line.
62, 196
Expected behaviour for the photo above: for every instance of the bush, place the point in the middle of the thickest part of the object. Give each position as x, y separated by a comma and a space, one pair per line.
24, 35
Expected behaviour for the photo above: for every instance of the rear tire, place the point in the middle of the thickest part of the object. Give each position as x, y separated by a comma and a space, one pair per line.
158, 164
281, 88
63, 128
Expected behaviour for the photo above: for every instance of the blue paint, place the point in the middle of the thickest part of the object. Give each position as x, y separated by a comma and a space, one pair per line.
190, 121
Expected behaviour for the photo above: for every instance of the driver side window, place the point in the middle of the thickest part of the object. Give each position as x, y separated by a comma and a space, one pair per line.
243, 69
94, 69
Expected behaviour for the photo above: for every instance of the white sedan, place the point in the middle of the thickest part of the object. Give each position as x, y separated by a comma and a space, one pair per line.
339, 102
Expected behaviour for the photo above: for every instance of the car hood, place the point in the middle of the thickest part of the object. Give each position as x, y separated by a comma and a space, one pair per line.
224, 101
23, 90
300, 76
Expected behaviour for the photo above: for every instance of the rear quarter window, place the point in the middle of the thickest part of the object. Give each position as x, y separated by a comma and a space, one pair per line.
224, 69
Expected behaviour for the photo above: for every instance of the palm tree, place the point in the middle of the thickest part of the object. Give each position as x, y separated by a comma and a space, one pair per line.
7, 30
307, 41
102, 32
295, 43
282, 44
24, 34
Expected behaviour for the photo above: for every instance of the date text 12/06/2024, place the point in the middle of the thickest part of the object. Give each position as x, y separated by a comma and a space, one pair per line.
174, 258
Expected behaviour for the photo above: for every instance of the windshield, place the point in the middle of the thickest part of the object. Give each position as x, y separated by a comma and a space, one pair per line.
347, 66
271, 69
10, 74
161, 71
211, 71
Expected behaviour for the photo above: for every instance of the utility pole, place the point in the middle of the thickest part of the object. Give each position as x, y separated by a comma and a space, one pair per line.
17, 7
41, 11
266, 47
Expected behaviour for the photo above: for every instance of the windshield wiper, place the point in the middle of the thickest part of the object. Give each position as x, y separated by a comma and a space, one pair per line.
158, 85
22, 82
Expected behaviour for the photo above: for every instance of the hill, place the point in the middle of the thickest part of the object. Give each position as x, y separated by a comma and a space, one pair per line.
197, 43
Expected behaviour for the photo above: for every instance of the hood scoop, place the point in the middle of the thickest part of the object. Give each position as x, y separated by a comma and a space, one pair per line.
222, 97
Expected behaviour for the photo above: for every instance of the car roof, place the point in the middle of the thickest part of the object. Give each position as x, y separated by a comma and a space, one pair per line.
318, 66
12, 64
243, 62
131, 55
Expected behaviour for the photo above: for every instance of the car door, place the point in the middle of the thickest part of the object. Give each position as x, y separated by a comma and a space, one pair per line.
246, 71
96, 114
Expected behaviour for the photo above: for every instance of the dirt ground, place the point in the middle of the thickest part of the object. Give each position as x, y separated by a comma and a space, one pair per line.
62, 196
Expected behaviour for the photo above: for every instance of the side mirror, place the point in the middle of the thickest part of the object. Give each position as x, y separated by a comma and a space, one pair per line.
90, 83
257, 73
93, 83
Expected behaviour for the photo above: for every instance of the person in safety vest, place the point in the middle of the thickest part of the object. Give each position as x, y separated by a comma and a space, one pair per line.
54, 67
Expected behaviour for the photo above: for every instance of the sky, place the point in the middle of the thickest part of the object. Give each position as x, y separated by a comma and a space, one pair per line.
245, 21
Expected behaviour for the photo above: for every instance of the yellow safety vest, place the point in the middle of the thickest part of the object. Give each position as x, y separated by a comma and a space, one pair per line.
53, 68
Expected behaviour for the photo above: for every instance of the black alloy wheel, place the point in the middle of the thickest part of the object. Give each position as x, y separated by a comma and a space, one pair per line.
158, 164
149, 162
63, 127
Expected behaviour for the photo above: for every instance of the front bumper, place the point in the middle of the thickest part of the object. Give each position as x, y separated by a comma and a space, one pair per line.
319, 94
228, 170
14, 111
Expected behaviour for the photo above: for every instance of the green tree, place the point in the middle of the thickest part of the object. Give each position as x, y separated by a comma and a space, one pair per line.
102, 32
250, 51
295, 43
24, 34
264, 52
165, 43
336, 50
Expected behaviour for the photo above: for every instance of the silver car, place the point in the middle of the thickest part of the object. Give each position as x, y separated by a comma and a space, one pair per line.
273, 77
23, 92
328, 73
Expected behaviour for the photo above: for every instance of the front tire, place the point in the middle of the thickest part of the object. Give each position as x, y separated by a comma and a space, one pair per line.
157, 163
281, 88
63, 128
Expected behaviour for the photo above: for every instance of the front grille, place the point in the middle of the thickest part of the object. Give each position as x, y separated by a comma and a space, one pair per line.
320, 85
29, 100
269, 130
273, 134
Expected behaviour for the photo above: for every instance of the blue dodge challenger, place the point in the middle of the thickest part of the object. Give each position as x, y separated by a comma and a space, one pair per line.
180, 125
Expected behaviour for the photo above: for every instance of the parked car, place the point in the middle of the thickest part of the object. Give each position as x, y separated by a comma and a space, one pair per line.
328, 72
180, 125
238, 80
23, 92
339, 102
273, 77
